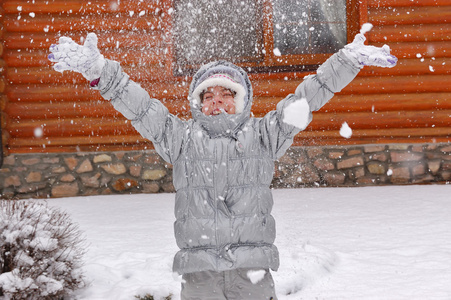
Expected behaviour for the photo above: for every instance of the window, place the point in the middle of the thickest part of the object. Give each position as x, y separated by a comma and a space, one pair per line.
260, 34
309, 26
209, 29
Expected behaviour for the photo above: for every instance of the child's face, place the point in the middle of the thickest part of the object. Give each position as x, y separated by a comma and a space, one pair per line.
218, 99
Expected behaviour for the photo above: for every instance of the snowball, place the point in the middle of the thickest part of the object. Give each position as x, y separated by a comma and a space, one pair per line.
431, 68
366, 27
256, 276
345, 130
297, 114
32, 14
277, 52
38, 132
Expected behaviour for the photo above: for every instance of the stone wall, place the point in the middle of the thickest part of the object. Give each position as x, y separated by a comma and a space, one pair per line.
80, 174
364, 165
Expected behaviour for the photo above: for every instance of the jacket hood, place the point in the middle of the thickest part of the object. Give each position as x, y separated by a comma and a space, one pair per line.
222, 124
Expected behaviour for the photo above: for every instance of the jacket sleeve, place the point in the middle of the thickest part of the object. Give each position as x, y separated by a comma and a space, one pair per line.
331, 77
149, 116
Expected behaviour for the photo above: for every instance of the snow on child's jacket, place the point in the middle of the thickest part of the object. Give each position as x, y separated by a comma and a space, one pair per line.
222, 165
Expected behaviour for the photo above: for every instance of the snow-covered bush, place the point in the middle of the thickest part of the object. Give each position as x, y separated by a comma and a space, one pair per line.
40, 252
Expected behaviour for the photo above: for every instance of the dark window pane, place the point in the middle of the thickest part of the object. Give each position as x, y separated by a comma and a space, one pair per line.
212, 29
309, 26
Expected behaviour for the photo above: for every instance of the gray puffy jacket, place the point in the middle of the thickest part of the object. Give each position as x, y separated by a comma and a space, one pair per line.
222, 165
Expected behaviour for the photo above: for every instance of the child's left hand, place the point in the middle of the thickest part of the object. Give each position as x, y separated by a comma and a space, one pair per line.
370, 55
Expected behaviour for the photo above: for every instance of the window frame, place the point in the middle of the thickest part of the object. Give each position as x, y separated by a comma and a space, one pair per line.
268, 61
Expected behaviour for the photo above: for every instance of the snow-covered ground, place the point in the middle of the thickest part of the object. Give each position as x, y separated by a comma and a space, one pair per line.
335, 243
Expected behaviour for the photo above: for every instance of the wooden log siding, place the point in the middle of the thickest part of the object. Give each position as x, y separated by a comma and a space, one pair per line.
410, 103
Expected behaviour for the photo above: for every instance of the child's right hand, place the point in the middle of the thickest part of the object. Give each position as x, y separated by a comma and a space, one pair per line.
85, 59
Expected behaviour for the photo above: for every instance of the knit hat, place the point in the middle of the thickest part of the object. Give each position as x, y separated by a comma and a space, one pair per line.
227, 81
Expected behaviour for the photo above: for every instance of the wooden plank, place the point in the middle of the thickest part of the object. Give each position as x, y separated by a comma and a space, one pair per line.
71, 127
381, 120
378, 133
276, 88
46, 75
89, 126
369, 103
82, 6
417, 66
410, 3
99, 147
371, 136
2, 85
58, 23
261, 105
365, 141
65, 92
423, 49
63, 110
409, 15
49, 142
67, 110
53, 94
109, 40
305, 138
364, 85
388, 102
26, 58
399, 84
410, 33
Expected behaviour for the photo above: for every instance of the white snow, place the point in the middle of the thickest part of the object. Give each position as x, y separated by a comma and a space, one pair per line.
390, 242
365, 28
297, 114
345, 130
255, 276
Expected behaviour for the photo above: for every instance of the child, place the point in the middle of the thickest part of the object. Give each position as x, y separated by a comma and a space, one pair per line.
223, 160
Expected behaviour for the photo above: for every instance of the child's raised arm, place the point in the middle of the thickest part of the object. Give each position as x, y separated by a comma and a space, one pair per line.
337, 72
149, 116
294, 113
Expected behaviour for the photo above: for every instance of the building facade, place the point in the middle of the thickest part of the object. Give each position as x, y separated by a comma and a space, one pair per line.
60, 138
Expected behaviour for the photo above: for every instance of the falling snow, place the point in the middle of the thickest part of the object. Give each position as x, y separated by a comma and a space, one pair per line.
345, 130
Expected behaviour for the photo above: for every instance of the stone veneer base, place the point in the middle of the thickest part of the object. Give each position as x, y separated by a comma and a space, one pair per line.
80, 174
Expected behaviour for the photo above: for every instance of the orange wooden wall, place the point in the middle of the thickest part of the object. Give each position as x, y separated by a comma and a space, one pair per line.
409, 103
